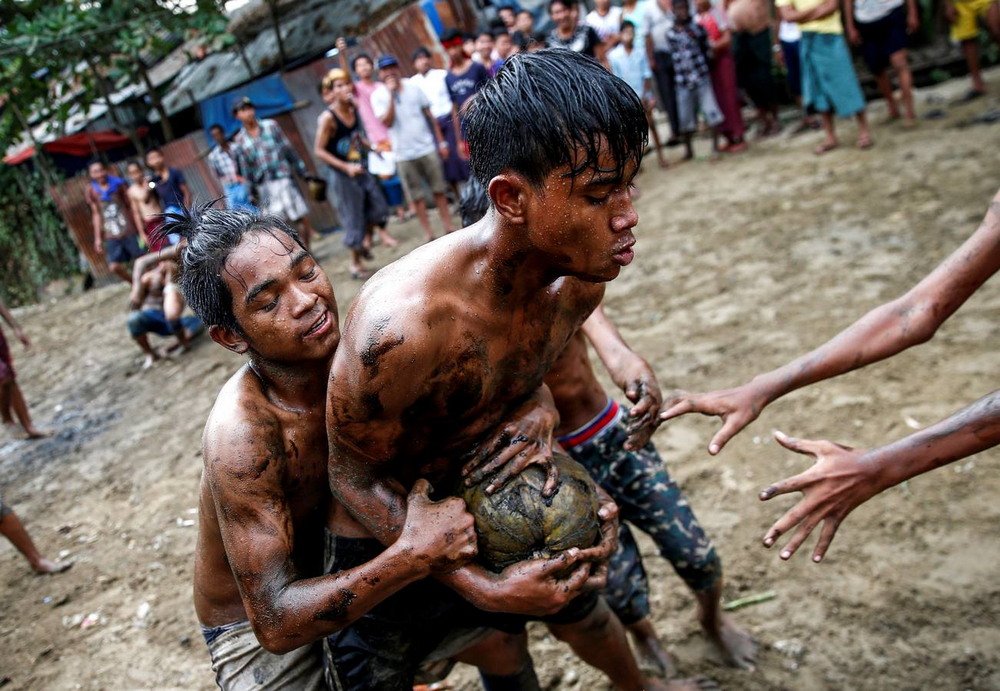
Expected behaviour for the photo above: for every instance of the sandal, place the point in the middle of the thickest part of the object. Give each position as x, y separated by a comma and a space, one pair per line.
825, 147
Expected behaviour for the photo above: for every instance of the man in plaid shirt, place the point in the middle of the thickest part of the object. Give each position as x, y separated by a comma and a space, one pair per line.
266, 159
688, 46
222, 160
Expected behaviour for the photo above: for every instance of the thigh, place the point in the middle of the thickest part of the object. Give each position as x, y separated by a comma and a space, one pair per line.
433, 172
409, 175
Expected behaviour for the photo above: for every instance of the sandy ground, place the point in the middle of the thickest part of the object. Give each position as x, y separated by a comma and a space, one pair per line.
741, 265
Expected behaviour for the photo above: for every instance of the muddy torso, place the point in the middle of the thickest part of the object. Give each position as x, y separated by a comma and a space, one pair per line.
578, 394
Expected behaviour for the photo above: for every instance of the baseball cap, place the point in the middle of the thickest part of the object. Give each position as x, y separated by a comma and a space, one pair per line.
386, 61
241, 101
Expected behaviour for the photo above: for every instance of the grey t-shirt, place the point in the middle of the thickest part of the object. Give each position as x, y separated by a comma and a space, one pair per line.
410, 134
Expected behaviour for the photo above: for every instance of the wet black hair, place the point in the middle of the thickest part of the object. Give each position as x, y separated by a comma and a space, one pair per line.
361, 56
212, 235
473, 203
549, 109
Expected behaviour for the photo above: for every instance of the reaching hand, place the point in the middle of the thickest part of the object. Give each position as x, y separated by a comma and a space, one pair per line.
640, 386
525, 440
440, 533
737, 407
342, 45
840, 480
602, 551
538, 587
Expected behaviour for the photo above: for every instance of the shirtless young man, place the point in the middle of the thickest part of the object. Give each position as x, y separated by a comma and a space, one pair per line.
752, 49
259, 589
844, 478
443, 347
156, 306
146, 207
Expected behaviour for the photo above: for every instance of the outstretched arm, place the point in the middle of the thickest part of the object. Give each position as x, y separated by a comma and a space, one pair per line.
631, 373
843, 478
886, 330
244, 471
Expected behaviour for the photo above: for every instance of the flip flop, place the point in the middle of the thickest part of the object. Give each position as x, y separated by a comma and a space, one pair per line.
825, 147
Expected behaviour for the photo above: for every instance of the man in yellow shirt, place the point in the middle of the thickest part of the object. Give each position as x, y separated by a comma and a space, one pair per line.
828, 79
964, 16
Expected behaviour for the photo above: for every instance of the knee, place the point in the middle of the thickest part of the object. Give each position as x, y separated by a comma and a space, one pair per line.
135, 325
593, 626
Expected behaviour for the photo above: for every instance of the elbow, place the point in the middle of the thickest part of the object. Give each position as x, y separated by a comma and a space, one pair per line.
275, 636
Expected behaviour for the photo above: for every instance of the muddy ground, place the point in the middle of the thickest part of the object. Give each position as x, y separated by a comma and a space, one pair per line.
741, 264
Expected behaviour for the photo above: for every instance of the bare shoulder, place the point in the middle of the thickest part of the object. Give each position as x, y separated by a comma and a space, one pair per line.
243, 431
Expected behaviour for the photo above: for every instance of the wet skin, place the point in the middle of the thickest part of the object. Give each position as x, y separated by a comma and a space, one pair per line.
263, 498
442, 346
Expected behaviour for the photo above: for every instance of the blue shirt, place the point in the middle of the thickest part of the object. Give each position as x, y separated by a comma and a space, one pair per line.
632, 68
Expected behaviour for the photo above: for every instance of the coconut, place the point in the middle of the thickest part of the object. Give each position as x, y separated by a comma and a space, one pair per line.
516, 522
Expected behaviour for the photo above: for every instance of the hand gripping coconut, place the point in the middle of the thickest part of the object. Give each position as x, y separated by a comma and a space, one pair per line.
516, 522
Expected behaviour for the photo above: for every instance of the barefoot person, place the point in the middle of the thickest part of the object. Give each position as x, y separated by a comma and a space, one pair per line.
11, 399
111, 215
156, 305
614, 445
444, 346
844, 478
751, 24
881, 28
829, 82
12, 529
259, 589
146, 208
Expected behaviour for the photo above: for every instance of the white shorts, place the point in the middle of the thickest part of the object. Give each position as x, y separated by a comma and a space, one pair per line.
282, 198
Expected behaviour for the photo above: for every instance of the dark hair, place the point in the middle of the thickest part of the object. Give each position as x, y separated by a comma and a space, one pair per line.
569, 4
474, 202
451, 35
133, 162
627, 24
96, 162
361, 56
216, 126
520, 40
484, 32
150, 150
550, 109
212, 235
501, 32
420, 52
525, 12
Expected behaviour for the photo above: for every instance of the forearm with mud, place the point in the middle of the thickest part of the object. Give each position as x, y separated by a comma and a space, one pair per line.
286, 613
973, 429
381, 509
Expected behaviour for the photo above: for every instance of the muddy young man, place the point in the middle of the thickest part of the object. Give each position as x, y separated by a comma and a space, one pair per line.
614, 445
259, 589
446, 345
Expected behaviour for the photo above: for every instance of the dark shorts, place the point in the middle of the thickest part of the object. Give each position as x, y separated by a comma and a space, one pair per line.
883, 38
385, 648
143, 322
649, 499
359, 203
6, 362
752, 53
122, 250
793, 70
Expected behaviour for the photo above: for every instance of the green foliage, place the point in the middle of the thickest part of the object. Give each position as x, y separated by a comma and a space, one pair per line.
35, 246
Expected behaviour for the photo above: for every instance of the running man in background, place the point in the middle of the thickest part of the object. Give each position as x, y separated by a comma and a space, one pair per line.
267, 160
12, 401
844, 478
111, 215
222, 160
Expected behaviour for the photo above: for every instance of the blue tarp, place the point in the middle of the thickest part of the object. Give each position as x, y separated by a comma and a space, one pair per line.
269, 96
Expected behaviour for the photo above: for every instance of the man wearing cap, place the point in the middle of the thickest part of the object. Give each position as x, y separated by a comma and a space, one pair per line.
405, 109
266, 159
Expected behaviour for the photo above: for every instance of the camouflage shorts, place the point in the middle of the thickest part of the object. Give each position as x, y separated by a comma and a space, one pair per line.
650, 500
